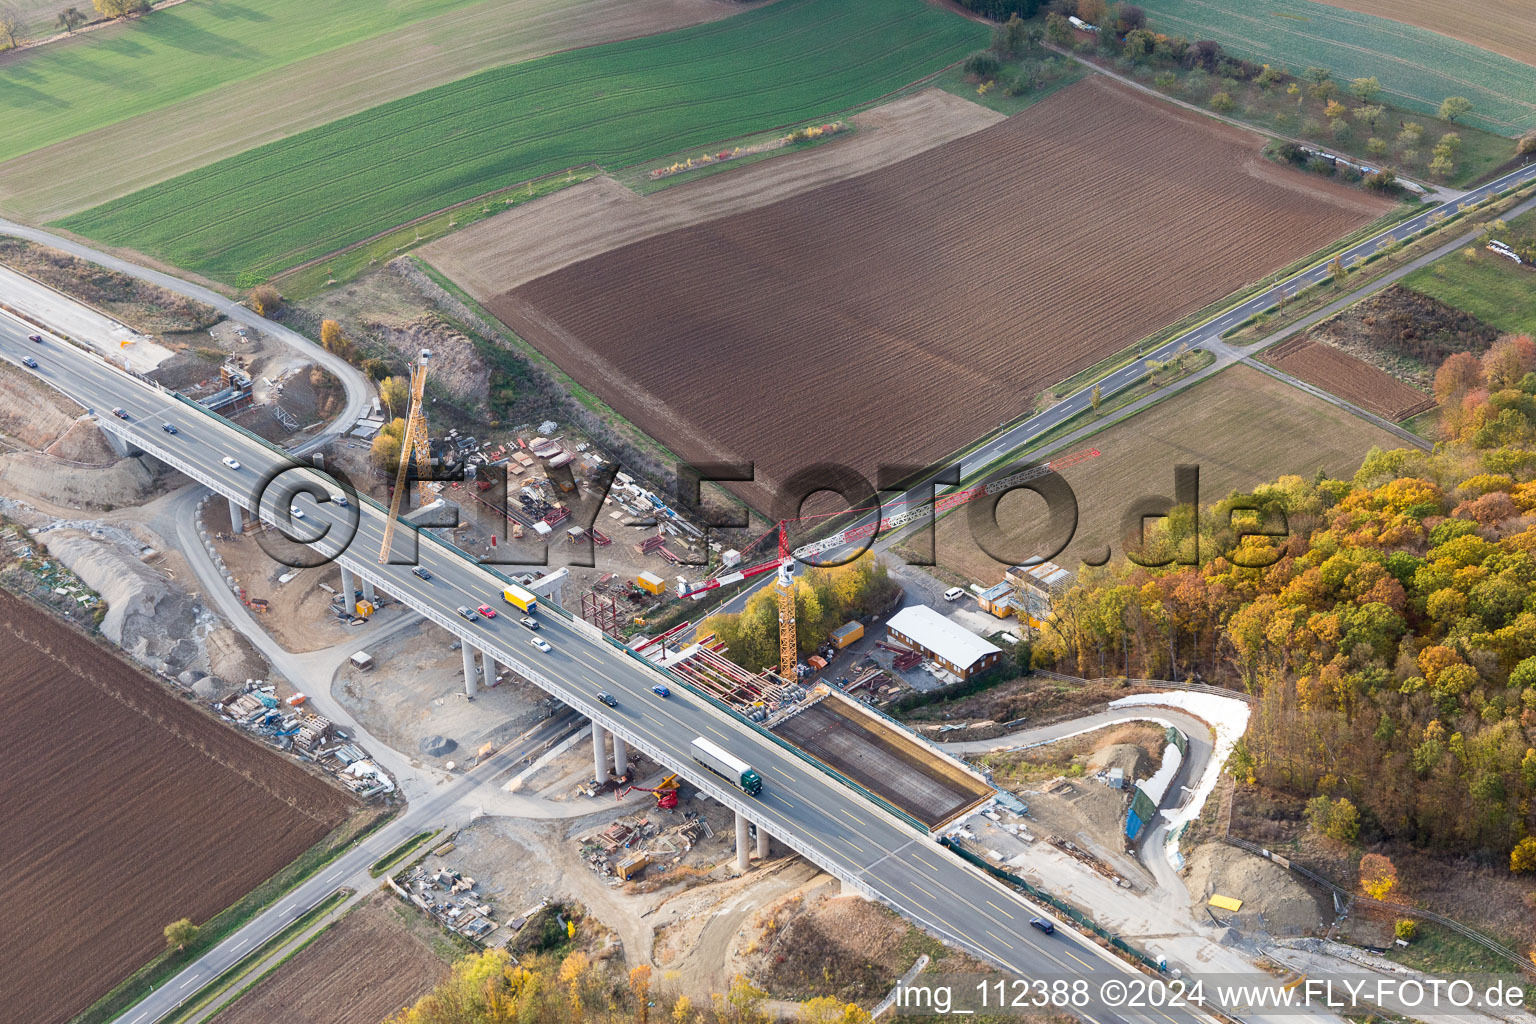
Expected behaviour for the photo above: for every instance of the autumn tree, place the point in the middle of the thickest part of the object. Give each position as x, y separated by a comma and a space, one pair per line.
1095, 12
1453, 107
387, 445
180, 934
827, 1010
395, 393
330, 335
741, 1003
1011, 37
1522, 858
265, 300
1096, 399
1406, 928
1378, 876
1508, 361
71, 18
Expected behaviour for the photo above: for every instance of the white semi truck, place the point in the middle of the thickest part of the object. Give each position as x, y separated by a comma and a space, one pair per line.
728, 766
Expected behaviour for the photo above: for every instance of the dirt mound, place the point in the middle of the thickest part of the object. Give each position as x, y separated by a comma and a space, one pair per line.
124, 482
456, 366
31, 412
1273, 900
1128, 757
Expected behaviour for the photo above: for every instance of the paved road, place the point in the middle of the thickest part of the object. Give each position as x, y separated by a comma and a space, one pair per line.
832, 825
1208, 336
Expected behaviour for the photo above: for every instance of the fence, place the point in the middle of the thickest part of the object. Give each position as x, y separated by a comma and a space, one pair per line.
1402, 910
1066, 910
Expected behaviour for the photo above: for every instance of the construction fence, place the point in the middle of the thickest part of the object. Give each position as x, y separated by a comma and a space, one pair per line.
1066, 910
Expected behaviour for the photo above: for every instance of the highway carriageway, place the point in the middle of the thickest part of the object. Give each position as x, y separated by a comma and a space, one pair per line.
868, 848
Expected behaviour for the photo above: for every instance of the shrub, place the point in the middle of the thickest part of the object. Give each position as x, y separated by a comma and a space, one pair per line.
982, 65
265, 300
1406, 928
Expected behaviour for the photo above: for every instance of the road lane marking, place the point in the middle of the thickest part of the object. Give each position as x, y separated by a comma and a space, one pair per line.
998, 937
187, 982
926, 861
239, 946
784, 773
1000, 910
851, 843
1079, 959
925, 892
849, 814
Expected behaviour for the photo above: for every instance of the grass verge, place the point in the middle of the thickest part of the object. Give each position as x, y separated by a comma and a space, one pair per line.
149, 977
399, 853
1492, 288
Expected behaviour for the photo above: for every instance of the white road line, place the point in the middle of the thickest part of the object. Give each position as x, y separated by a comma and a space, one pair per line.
187, 982
237, 947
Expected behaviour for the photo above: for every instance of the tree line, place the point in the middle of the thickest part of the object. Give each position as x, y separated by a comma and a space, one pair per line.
1389, 633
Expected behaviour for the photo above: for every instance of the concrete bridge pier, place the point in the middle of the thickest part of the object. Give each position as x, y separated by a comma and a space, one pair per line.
348, 589
743, 843
471, 670
236, 517
762, 843
490, 668
599, 754
620, 755
120, 445
368, 592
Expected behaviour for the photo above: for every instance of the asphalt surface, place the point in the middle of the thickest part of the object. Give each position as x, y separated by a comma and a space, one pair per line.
832, 825
1207, 335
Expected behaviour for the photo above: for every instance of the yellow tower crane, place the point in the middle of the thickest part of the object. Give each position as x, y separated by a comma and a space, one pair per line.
412, 445
784, 586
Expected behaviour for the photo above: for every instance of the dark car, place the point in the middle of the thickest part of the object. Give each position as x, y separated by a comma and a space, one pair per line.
421, 573
607, 698
661, 691
120, 413
36, 337
29, 361
169, 428
466, 613
1044, 925
529, 622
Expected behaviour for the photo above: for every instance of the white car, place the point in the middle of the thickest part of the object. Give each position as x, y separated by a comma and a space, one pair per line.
534, 641
295, 511
231, 463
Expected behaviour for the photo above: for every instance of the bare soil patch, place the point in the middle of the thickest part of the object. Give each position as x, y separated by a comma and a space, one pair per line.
1274, 900
587, 220
1405, 334
144, 306
170, 815
1503, 26
1351, 379
380, 957
1242, 427
930, 306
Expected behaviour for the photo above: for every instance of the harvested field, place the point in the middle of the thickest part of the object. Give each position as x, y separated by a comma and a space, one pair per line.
379, 958
1353, 380
1503, 26
895, 316
87, 169
127, 809
586, 220
1241, 427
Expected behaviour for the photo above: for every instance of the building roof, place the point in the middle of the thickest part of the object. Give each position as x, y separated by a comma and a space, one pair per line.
998, 592
949, 640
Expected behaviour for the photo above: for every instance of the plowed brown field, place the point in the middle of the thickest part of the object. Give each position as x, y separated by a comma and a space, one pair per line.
895, 316
1353, 380
124, 809
362, 969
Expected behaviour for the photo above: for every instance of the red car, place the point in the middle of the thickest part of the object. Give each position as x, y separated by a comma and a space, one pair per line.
487, 611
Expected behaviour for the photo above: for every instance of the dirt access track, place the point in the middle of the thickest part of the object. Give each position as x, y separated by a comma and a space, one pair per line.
126, 809
895, 316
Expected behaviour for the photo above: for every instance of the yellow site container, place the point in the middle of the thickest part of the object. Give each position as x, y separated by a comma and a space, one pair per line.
650, 583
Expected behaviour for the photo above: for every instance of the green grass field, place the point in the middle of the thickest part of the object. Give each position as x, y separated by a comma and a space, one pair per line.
105, 76
248, 217
1490, 287
1417, 69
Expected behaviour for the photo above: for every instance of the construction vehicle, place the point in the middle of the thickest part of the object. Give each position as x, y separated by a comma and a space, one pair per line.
665, 793
413, 445
726, 765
